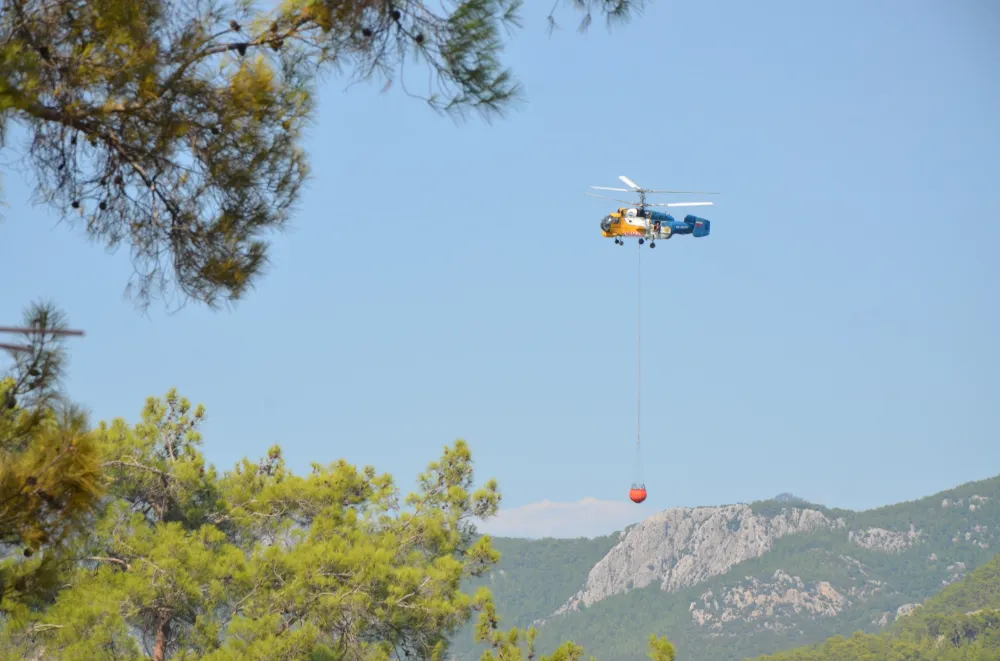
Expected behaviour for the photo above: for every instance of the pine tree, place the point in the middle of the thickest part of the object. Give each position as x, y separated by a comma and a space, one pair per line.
661, 649
260, 563
174, 127
50, 471
49, 466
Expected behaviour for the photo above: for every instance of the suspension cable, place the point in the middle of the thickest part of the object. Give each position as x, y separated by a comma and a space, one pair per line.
638, 371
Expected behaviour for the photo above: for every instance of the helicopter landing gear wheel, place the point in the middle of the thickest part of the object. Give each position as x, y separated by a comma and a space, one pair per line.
642, 241
652, 244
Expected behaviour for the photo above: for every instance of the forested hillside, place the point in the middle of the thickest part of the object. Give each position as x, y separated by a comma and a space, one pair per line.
961, 623
536, 575
727, 583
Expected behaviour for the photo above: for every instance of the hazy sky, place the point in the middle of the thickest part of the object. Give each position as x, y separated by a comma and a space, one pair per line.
835, 336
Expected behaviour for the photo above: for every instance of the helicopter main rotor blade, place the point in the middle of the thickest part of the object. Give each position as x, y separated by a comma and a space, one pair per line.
681, 204
629, 182
620, 190
682, 192
615, 199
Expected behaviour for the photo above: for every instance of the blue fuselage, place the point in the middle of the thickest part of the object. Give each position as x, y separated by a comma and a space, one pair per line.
690, 225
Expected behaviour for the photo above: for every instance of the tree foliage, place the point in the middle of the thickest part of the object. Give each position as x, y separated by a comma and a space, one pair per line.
661, 649
185, 562
50, 473
49, 466
961, 637
174, 126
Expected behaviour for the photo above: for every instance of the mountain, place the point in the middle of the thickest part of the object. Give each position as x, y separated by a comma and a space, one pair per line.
789, 498
735, 581
962, 622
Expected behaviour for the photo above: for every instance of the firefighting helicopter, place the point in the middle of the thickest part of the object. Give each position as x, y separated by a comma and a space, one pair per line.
637, 221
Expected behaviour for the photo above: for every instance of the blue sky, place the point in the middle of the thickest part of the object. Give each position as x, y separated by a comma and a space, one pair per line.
835, 336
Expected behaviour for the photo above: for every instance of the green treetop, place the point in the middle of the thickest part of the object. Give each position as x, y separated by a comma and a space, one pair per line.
187, 563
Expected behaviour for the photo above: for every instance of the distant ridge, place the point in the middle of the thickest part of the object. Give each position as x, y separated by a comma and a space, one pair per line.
735, 581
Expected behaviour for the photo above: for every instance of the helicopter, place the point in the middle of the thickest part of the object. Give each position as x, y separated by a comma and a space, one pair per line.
636, 220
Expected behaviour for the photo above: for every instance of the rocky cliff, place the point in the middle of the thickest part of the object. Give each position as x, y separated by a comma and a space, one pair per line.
766, 601
681, 547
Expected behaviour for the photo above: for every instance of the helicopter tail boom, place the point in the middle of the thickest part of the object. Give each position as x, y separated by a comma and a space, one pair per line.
701, 226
